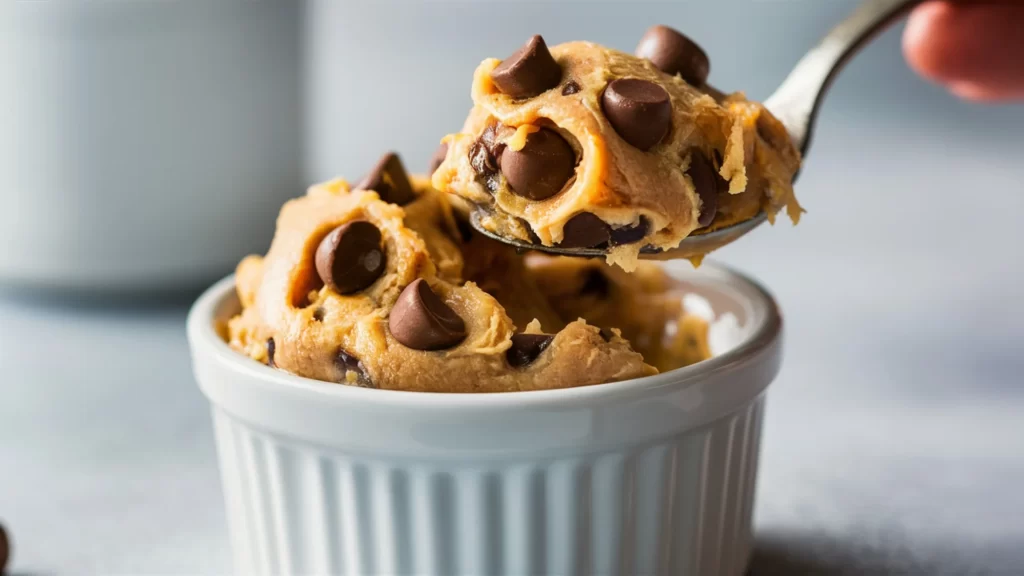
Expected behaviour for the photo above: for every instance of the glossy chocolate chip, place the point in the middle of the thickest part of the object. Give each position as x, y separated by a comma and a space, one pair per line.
5, 549
673, 53
541, 169
438, 157
584, 230
640, 111
526, 348
630, 234
422, 321
350, 258
389, 180
271, 347
349, 364
595, 283
705, 181
570, 88
529, 71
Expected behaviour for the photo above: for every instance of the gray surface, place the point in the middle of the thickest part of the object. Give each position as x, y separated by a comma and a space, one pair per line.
894, 434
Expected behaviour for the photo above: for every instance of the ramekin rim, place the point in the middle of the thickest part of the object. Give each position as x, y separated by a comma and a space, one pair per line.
201, 333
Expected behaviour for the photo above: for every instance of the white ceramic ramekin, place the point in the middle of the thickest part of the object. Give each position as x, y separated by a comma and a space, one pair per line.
647, 476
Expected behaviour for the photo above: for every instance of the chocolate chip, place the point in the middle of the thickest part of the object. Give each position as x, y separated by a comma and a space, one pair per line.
640, 111
271, 347
5, 549
347, 363
422, 321
630, 234
389, 180
705, 181
541, 169
674, 53
584, 230
318, 314
438, 157
350, 258
595, 283
529, 71
526, 348
570, 88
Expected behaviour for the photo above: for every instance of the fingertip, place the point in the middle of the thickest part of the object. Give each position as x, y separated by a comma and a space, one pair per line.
969, 91
924, 49
978, 46
981, 93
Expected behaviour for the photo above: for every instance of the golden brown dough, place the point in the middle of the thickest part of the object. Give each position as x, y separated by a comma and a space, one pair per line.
295, 322
730, 149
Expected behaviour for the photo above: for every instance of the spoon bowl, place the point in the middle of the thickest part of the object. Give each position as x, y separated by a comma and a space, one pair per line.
693, 246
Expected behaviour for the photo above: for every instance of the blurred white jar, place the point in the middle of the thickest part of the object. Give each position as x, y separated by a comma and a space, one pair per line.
144, 145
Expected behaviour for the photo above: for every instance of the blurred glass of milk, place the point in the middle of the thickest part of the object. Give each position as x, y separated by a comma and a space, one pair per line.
144, 144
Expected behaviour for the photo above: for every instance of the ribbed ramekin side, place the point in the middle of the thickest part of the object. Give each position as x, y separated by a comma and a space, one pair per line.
680, 505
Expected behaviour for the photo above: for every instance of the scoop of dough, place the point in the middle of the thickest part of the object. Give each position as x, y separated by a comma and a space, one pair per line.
617, 153
510, 335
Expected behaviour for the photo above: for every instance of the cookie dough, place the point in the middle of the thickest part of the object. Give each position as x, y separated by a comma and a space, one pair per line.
580, 145
646, 306
385, 289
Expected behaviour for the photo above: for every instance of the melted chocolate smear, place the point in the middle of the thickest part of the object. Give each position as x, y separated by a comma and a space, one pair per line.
348, 363
483, 156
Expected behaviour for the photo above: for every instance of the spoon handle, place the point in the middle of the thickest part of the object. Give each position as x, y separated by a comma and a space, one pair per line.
795, 103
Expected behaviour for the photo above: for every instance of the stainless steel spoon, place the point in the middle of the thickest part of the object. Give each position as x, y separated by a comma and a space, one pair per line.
795, 103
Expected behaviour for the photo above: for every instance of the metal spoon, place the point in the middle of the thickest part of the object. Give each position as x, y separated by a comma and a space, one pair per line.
795, 103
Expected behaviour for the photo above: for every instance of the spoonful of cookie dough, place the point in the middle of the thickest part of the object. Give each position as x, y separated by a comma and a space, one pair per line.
582, 150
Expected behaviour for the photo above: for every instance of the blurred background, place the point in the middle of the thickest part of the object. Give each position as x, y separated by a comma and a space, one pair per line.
145, 146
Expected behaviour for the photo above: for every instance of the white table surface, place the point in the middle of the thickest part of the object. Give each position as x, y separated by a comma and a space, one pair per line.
894, 440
